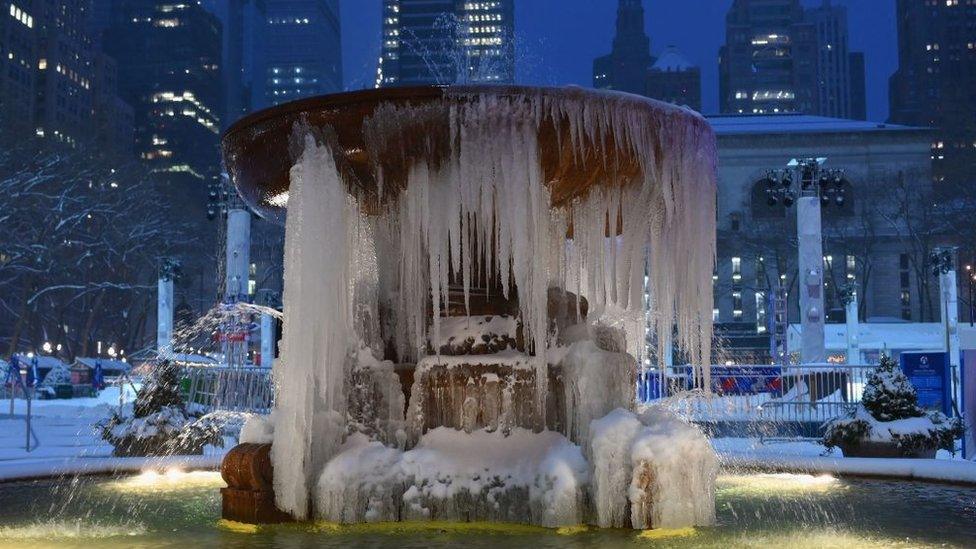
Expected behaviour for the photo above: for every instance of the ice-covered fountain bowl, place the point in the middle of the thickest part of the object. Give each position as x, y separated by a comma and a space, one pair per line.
437, 238
260, 149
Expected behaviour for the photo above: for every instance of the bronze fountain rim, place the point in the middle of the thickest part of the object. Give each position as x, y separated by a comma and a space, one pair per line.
426, 93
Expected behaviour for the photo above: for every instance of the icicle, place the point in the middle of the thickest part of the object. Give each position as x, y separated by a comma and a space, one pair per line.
477, 206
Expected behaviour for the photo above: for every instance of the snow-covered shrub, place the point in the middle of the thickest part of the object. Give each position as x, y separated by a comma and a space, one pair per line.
889, 413
157, 424
889, 395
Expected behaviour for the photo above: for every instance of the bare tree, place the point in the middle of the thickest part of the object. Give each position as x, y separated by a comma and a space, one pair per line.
80, 238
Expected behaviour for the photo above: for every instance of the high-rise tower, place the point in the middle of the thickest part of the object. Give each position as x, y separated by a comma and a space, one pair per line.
779, 57
427, 42
625, 69
936, 76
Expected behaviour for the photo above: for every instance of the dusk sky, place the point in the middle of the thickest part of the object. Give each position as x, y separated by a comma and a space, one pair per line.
558, 39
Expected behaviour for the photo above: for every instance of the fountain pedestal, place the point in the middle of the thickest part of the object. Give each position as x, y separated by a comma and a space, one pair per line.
249, 495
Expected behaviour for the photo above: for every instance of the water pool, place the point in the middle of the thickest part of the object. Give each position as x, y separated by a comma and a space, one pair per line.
754, 510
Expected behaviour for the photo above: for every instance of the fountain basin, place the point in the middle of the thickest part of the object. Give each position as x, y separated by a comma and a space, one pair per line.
784, 510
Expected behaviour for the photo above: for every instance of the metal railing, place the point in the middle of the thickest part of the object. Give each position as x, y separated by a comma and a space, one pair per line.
212, 388
762, 394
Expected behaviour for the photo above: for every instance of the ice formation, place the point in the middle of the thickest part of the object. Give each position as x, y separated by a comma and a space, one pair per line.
368, 269
452, 475
651, 470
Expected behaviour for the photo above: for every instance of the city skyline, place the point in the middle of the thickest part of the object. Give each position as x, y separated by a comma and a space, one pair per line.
557, 41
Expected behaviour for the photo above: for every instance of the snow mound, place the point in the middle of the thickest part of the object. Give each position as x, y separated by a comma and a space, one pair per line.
258, 429
452, 475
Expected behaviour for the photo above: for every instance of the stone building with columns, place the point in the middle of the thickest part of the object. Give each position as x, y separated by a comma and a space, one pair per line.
876, 242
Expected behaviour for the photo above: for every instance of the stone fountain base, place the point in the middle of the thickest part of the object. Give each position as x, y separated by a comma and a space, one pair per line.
249, 495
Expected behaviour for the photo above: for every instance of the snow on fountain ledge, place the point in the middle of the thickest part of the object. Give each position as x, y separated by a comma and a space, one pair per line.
343, 267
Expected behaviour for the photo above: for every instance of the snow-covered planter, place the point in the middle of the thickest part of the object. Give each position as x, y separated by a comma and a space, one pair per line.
157, 424
889, 423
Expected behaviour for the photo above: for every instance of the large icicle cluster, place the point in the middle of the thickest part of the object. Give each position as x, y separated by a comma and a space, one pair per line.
480, 208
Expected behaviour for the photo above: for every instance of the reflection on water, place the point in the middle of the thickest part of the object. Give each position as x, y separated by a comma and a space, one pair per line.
169, 480
179, 509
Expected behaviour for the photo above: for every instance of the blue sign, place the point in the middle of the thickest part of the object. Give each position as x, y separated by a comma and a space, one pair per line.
929, 373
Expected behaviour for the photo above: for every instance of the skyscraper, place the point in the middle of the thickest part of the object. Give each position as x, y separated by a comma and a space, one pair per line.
768, 63
54, 83
18, 68
242, 23
302, 50
169, 59
780, 57
631, 68
934, 83
625, 69
427, 42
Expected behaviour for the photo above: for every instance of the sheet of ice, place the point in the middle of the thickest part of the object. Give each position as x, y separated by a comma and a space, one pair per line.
943, 470
674, 486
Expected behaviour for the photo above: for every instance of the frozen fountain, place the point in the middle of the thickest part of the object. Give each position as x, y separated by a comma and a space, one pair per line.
466, 275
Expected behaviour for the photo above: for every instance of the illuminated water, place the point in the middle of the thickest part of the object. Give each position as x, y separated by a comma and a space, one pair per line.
182, 510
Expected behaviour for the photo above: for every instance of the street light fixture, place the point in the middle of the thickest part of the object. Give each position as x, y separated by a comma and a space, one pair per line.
818, 187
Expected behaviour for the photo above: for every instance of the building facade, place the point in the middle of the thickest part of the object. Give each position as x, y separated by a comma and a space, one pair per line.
439, 42
867, 244
782, 58
674, 79
301, 47
54, 82
169, 70
936, 76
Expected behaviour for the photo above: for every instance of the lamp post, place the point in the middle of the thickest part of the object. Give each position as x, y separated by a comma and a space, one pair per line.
807, 184
848, 296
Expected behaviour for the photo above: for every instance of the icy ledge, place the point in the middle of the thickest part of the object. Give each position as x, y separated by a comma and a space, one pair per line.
647, 471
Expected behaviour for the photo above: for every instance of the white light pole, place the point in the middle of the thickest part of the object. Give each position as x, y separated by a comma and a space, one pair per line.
853, 327
168, 272
810, 262
238, 254
267, 340
816, 186
944, 265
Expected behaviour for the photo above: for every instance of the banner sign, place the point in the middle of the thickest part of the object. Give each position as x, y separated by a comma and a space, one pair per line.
746, 380
929, 373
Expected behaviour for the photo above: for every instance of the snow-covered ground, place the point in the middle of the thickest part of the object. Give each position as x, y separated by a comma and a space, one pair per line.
67, 442
811, 457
